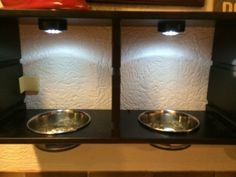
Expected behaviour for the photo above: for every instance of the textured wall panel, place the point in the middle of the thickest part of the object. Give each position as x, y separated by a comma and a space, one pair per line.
157, 71
165, 72
74, 67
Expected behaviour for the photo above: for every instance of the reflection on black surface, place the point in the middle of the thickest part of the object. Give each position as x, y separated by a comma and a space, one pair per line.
211, 130
127, 130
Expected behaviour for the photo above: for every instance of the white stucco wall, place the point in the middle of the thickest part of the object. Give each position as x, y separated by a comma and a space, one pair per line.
161, 72
74, 67
157, 72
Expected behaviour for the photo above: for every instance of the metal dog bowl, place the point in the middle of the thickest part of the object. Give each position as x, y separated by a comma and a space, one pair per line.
58, 122
169, 121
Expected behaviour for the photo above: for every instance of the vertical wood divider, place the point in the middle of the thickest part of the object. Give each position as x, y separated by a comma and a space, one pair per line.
116, 63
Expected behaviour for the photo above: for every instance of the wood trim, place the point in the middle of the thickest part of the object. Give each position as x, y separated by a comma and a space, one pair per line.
118, 158
198, 3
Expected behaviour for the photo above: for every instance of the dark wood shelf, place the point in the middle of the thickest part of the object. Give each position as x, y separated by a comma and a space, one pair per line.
192, 3
56, 13
100, 130
211, 131
16, 131
95, 14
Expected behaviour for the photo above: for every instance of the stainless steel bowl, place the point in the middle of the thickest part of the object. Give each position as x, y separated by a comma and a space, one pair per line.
58, 122
169, 121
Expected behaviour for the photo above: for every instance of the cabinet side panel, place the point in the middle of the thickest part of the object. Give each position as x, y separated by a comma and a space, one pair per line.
9, 39
10, 67
9, 86
222, 90
224, 43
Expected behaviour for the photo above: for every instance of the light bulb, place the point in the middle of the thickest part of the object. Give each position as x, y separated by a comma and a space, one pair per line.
171, 28
52, 26
53, 31
170, 33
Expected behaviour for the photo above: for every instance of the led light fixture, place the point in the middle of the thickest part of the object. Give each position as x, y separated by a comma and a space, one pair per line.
52, 26
171, 28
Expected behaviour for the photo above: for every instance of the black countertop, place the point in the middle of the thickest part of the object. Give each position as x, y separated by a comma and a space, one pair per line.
211, 131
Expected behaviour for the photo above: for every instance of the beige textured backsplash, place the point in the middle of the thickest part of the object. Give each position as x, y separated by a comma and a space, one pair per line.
157, 72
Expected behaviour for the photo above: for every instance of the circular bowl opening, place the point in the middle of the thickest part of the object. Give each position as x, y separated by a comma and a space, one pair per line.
169, 121
58, 122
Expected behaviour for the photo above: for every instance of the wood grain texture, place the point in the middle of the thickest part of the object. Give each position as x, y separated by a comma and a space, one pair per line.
185, 174
12, 174
152, 174
121, 174
57, 174
225, 174
118, 157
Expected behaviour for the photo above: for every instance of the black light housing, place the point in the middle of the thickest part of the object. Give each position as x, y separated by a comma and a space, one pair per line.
171, 28
52, 26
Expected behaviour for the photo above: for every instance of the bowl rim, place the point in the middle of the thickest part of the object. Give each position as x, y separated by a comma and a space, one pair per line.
170, 130
54, 112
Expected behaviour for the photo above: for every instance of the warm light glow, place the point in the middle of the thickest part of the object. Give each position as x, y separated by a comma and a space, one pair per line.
170, 33
53, 31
